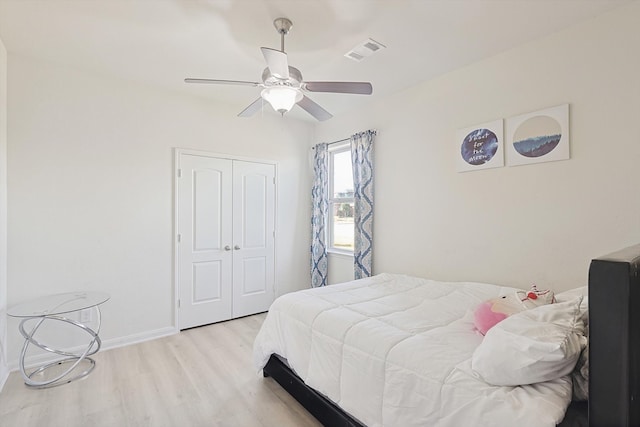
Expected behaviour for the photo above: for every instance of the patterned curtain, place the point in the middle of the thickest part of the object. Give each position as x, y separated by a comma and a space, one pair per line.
320, 200
362, 159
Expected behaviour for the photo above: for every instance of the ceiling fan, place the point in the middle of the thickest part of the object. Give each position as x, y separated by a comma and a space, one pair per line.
283, 86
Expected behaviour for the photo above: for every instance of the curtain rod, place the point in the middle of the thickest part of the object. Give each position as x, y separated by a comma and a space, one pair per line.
334, 142
344, 139
340, 140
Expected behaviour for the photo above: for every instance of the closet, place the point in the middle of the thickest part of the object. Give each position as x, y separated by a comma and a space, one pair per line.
225, 237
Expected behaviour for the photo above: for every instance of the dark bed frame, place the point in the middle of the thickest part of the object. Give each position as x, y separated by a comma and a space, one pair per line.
614, 353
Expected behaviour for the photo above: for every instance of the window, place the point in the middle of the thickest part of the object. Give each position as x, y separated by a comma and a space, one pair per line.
340, 221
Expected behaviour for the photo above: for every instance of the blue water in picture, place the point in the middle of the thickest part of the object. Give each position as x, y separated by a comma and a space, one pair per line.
537, 146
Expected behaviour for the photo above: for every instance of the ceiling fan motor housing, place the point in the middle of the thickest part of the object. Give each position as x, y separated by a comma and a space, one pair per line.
294, 80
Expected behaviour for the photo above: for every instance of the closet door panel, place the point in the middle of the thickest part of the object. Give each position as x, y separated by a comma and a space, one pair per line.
204, 223
253, 236
207, 197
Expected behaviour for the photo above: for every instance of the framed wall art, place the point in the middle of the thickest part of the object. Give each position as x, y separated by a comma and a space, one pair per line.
541, 136
479, 147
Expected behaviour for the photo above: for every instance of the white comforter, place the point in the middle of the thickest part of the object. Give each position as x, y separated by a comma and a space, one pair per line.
394, 350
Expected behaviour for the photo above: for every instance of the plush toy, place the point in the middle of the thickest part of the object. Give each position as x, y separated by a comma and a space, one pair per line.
495, 310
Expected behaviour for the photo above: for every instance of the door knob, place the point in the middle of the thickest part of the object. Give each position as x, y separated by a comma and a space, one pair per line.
227, 248
236, 247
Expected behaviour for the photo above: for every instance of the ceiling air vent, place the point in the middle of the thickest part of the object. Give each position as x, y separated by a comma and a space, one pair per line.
364, 49
355, 56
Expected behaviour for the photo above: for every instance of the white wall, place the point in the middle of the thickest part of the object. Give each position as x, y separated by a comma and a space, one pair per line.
4, 372
514, 225
90, 190
340, 268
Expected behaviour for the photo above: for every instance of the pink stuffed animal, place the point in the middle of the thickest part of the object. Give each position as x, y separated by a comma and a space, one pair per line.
495, 310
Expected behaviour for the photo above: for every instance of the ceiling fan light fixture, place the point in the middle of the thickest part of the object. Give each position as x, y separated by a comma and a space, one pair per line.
281, 98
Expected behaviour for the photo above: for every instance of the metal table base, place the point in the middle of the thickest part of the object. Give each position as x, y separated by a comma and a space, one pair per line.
72, 359
59, 309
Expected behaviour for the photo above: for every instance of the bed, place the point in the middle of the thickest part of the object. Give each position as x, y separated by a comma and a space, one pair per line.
360, 354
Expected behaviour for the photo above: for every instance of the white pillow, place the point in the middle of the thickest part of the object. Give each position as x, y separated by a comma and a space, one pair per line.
572, 294
532, 346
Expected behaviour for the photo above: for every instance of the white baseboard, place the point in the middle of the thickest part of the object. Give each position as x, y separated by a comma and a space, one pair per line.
41, 359
138, 338
4, 374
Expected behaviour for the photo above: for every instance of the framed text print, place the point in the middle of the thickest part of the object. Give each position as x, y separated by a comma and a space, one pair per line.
479, 147
541, 136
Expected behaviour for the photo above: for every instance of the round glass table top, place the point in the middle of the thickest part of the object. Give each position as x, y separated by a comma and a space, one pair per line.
58, 304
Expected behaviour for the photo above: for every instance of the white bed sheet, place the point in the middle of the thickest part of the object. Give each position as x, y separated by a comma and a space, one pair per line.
394, 350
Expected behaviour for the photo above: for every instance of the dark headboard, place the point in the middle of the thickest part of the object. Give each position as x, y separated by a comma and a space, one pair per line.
614, 339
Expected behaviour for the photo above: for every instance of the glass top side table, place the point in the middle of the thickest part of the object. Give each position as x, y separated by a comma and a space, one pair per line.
58, 308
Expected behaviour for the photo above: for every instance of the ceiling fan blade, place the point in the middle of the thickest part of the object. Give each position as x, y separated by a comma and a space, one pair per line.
277, 62
359, 88
314, 109
253, 108
222, 82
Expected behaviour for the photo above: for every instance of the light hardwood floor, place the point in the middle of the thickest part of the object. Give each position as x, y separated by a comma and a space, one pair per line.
199, 377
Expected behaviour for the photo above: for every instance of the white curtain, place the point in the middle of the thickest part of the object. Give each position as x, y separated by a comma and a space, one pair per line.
320, 200
362, 160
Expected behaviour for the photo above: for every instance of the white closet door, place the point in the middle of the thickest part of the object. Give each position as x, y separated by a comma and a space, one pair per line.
204, 251
253, 237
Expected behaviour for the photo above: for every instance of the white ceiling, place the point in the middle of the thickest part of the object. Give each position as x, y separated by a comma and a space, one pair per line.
161, 42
